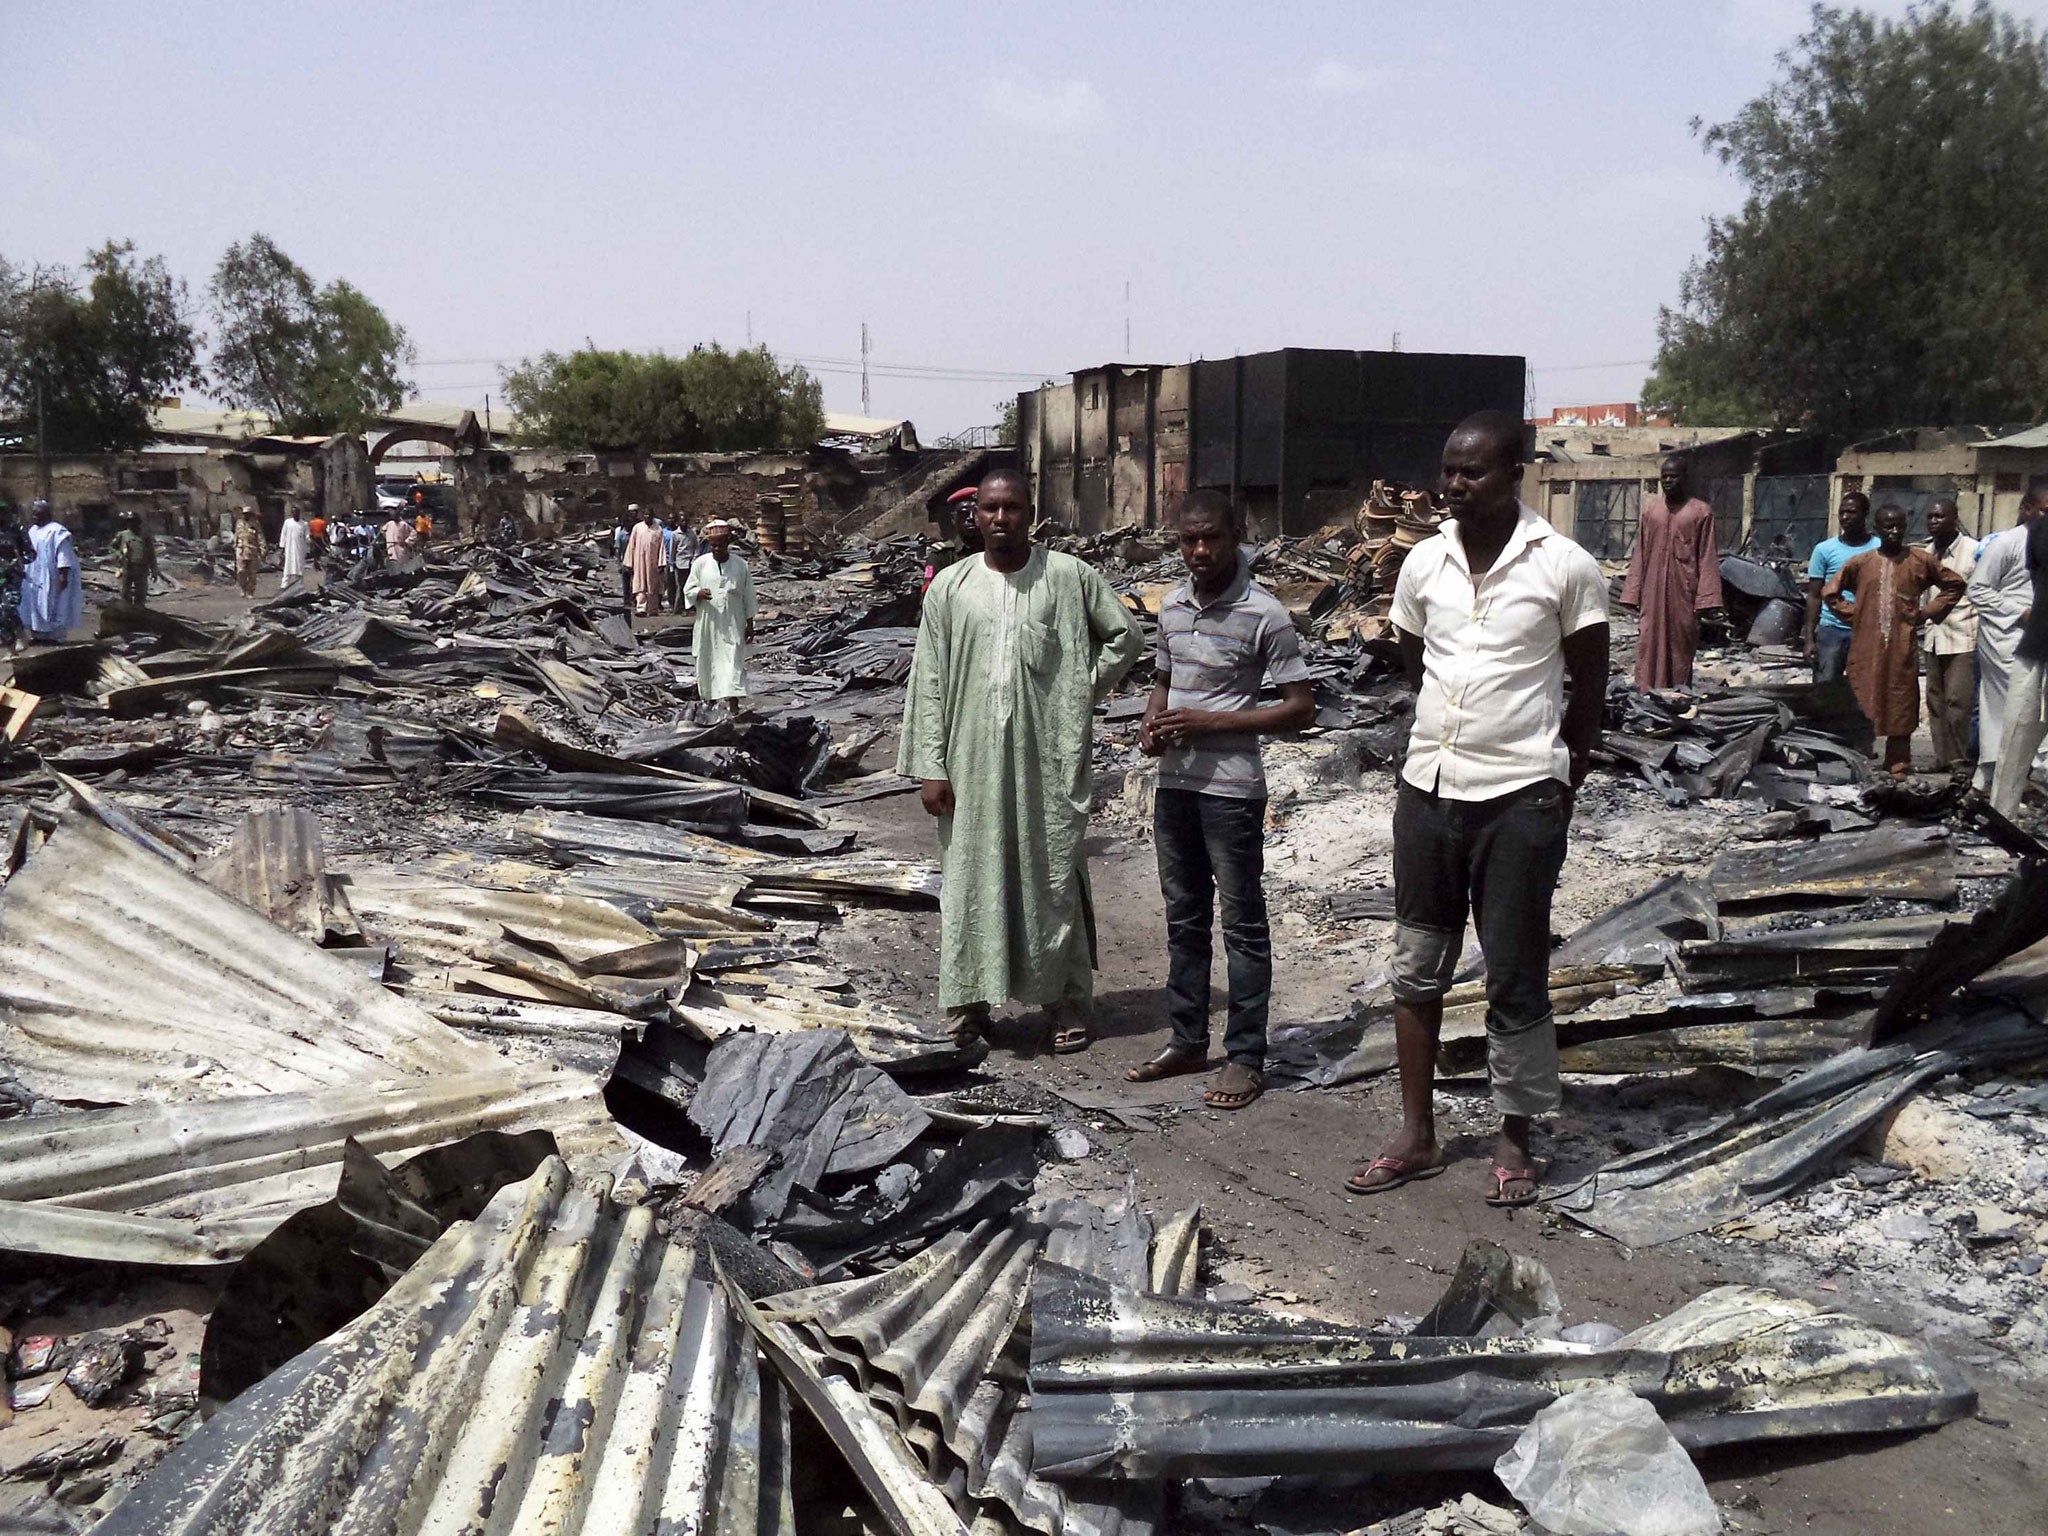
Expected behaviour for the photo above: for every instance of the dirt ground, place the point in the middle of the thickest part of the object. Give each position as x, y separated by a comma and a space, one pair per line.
1269, 1178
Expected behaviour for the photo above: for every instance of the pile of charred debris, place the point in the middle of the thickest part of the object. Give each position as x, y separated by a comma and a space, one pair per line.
431, 1099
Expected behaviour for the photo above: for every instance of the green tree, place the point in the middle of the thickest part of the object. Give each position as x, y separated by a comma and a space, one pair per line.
316, 359
706, 400
1006, 422
86, 354
1888, 266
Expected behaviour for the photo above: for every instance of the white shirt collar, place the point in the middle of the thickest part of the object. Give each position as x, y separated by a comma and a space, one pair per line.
1529, 527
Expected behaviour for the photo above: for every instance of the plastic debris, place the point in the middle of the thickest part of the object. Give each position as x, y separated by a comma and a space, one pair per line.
1599, 1462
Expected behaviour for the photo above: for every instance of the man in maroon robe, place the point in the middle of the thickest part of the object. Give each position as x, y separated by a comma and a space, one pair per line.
1673, 577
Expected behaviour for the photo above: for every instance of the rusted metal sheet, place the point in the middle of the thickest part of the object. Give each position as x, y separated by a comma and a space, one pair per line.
555, 1365
124, 979
1902, 862
203, 1182
1128, 1385
274, 864
1774, 1144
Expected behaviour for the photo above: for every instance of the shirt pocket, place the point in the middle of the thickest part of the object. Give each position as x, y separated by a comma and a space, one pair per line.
1038, 648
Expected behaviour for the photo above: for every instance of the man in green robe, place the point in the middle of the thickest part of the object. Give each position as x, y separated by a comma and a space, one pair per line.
1016, 646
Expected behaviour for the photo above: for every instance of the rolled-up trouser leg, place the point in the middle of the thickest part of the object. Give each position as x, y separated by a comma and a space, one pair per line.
1517, 852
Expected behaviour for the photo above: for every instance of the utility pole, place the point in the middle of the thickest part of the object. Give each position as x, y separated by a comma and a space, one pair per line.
1127, 319
864, 408
750, 330
1397, 341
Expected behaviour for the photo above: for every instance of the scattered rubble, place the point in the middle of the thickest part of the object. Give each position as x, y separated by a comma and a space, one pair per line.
477, 1032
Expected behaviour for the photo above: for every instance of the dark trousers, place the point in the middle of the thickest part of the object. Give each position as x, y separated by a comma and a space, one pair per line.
626, 590
134, 586
1500, 860
1951, 700
1211, 848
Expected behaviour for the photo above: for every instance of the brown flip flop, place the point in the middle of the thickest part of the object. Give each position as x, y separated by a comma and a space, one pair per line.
1236, 1087
1174, 1061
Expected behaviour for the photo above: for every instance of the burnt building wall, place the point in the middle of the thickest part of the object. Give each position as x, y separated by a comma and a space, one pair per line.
1295, 436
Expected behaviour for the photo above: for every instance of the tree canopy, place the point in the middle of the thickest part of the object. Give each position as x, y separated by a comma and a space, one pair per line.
1888, 266
86, 354
708, 399
317, 359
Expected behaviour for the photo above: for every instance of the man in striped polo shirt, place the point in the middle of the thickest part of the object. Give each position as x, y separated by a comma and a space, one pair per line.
1220, 637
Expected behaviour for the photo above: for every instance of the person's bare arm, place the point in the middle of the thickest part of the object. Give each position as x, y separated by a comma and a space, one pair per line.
1585, 664
1806, 640
1295, 711
1155, 706
1411, 656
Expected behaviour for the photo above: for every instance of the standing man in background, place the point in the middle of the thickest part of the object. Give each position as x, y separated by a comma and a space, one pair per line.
1492, 614
1674, 576
643, 562
248, 549
2026, 698
399, 538
1015, 647
1826, 632
52, 594
1221, 638
721, 592
134, 552
2001, 591
1951, 644
294, 540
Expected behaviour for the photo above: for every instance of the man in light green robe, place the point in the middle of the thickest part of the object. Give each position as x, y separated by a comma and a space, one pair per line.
720, 590
1016, 646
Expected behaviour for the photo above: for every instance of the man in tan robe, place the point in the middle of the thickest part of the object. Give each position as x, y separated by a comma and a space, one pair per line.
1673, 577
1884, 616
643, 559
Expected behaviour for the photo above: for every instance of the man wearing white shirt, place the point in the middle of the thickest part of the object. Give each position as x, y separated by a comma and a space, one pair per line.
1491, 614
2000, 592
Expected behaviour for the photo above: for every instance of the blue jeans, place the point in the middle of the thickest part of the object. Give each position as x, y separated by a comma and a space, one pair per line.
1830, 653
1211, 847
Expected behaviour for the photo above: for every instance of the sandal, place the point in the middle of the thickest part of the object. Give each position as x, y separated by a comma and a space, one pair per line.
1070, 1030
1503, 1177
968, 1026
1174, 1061
1404, 1171
1236, 1087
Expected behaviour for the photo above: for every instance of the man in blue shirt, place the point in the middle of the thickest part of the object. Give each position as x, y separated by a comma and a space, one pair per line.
1827, 641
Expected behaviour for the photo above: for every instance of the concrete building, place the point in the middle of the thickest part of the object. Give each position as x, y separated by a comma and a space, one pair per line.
1984, 470
1769, 490
1296, 436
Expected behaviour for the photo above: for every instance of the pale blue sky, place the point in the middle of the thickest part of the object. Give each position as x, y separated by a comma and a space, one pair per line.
977, 183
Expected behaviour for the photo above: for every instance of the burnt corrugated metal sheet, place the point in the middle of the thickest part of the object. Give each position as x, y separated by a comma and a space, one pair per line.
1128, 1385
554, 1366
274, 864
204, 1182
938, 1347
446, 921
124, 979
